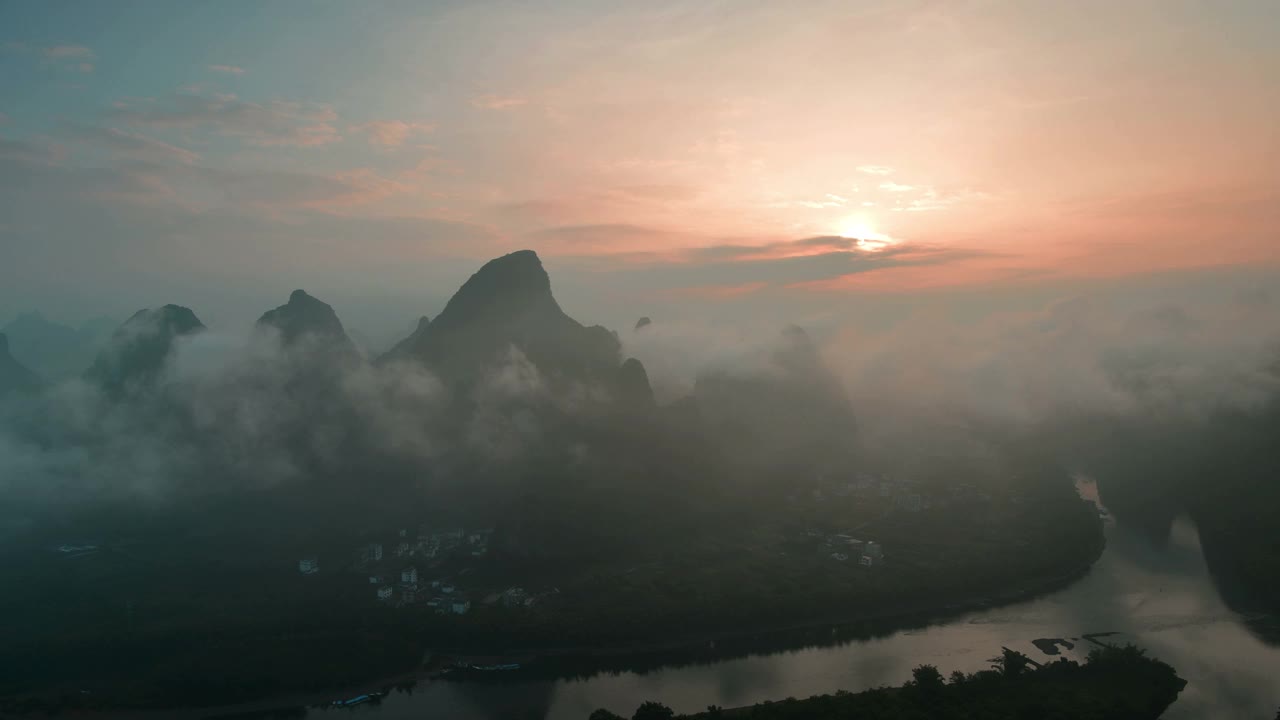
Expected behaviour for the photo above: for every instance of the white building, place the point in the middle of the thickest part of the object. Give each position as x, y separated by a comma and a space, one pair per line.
309, 566
373, 552
866, 561
873, 550
839, 556
384, 592
409, 576
460, 607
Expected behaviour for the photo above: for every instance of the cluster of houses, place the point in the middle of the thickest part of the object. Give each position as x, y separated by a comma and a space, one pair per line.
442, 544
442, 596
843, 548
394, 572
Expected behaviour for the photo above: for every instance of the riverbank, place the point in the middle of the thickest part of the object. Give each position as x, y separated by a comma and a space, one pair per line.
840, 627
1119, 683
553, 662
1021, 556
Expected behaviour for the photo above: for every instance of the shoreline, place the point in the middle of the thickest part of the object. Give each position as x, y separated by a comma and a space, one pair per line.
544, 659
896, 616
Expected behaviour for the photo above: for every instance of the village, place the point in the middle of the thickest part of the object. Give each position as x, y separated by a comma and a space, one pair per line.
842, 509
866, 521
430, 570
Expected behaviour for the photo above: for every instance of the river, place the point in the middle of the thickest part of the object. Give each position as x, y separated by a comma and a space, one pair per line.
1158, 595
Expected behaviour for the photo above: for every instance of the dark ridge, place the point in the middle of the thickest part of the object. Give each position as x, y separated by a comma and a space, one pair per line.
140, 348
508, 304
307, 317
14, 376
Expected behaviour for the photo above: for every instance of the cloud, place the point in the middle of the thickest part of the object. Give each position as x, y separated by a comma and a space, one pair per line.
930, 199
227, 69
276, 122
896, 187
391, 133
67, 52
728, 270
614, 237
830, 200
874, 169
77, 58
132, 145
24, 152
497, 102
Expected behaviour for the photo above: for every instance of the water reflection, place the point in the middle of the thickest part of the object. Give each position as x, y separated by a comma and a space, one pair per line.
1156, 592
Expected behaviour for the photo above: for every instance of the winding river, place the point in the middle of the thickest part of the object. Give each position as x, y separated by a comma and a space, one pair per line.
1158, 595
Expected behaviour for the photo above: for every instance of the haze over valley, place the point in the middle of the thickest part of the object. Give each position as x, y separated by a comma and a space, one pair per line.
554, 361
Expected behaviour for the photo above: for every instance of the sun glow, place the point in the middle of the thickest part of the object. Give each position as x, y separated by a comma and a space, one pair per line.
857, 227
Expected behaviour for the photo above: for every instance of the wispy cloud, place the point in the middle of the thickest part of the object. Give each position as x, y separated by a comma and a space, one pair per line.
815, 263
77, 58
930, 199
896, 187
276, 122
874, 169
64, 52
391, 133
498, 102
830, 200
132, 145
227, 69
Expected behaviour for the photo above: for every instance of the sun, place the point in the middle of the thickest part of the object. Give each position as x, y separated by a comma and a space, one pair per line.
857, 227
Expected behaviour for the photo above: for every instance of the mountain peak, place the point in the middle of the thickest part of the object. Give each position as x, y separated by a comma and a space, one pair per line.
508, 303
140, 348
305, 315
513, 283
182, 316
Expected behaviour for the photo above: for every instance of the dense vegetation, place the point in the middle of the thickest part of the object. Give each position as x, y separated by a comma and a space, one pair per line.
208, 607
1116, 683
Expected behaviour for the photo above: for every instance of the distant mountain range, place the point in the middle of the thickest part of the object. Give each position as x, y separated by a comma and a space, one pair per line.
530, 417
14, 376
58, 351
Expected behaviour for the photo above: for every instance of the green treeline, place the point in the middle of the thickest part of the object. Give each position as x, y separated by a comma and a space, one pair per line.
1115, 683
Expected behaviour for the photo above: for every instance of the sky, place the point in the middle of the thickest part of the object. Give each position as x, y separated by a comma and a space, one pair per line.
799, 156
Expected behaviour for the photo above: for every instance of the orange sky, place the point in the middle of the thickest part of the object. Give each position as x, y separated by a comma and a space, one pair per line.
976, 142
